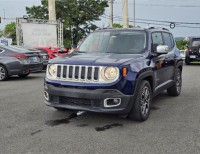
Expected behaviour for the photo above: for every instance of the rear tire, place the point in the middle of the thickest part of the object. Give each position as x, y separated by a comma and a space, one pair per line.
3, 73
141, 107
187, 60
175, 90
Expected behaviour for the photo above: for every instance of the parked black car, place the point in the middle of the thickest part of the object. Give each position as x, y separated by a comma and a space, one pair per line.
14, 61
116, 71
193, 51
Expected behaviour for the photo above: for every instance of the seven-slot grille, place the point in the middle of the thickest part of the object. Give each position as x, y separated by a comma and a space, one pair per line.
78, 73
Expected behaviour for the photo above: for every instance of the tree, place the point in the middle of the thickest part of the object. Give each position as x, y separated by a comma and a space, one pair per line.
10, 31
78, 16
116, 25
181, 44
1, 33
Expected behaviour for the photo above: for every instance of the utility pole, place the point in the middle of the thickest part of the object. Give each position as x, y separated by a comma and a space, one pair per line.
125, 14
134, 13
111, 13
52, 10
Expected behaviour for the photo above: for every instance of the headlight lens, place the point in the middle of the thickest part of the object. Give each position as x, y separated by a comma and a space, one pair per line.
110, 73
52, 70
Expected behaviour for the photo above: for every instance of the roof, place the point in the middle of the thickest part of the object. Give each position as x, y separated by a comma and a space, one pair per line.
130, 29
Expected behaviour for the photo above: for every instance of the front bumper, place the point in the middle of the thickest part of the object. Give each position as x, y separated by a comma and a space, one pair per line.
87, 100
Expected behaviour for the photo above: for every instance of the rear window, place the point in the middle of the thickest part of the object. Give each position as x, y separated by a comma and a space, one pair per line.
196, 42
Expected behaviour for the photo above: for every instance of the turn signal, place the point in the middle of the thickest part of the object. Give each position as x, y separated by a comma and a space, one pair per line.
124, 72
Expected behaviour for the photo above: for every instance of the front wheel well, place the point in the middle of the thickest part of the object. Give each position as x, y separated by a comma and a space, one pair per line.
150, 80
4, 66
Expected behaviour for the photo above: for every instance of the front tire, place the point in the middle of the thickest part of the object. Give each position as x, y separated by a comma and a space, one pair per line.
175, 90
3, 73
141, 107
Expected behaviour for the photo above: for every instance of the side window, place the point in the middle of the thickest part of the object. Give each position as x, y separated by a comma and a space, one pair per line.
156, 40
167, 40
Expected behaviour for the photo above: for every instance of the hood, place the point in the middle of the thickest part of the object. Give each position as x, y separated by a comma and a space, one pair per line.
100, 59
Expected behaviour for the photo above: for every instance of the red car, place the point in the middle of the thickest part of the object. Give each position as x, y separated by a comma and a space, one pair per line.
54, 52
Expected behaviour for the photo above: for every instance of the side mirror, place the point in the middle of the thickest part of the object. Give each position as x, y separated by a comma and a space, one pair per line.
162, 49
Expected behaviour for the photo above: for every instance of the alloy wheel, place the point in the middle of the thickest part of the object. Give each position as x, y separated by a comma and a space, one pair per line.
178, 82
145, 100
2, 73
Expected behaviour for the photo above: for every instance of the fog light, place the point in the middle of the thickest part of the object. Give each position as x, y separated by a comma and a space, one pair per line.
46, 96
112, 102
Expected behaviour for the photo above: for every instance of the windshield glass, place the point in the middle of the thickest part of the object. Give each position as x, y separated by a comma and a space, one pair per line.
119, 42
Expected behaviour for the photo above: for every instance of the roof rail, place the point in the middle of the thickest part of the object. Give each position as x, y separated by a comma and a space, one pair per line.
158, 28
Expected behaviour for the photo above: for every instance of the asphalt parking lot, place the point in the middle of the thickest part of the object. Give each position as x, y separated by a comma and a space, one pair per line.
28, 126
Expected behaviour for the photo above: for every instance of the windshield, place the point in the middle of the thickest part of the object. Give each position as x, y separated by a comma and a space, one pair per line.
120, 42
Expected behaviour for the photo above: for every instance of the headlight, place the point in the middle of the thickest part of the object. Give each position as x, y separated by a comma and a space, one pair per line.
52, 70
109, 73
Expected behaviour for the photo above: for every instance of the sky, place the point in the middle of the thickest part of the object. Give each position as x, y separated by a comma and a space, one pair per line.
159, 10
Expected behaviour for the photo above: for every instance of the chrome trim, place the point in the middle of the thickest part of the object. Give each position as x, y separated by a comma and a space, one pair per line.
46, 96
92, 75
163, 84
108, 106
73, 72
86, 73
67, 75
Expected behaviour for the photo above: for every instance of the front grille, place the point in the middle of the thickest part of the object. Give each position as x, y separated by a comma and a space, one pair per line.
78, 73
79, 102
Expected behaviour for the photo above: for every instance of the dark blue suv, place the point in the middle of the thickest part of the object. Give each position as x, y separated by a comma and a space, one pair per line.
116, 71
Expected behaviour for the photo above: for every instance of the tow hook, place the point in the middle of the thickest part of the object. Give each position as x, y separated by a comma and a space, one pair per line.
74, 115
80, 113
